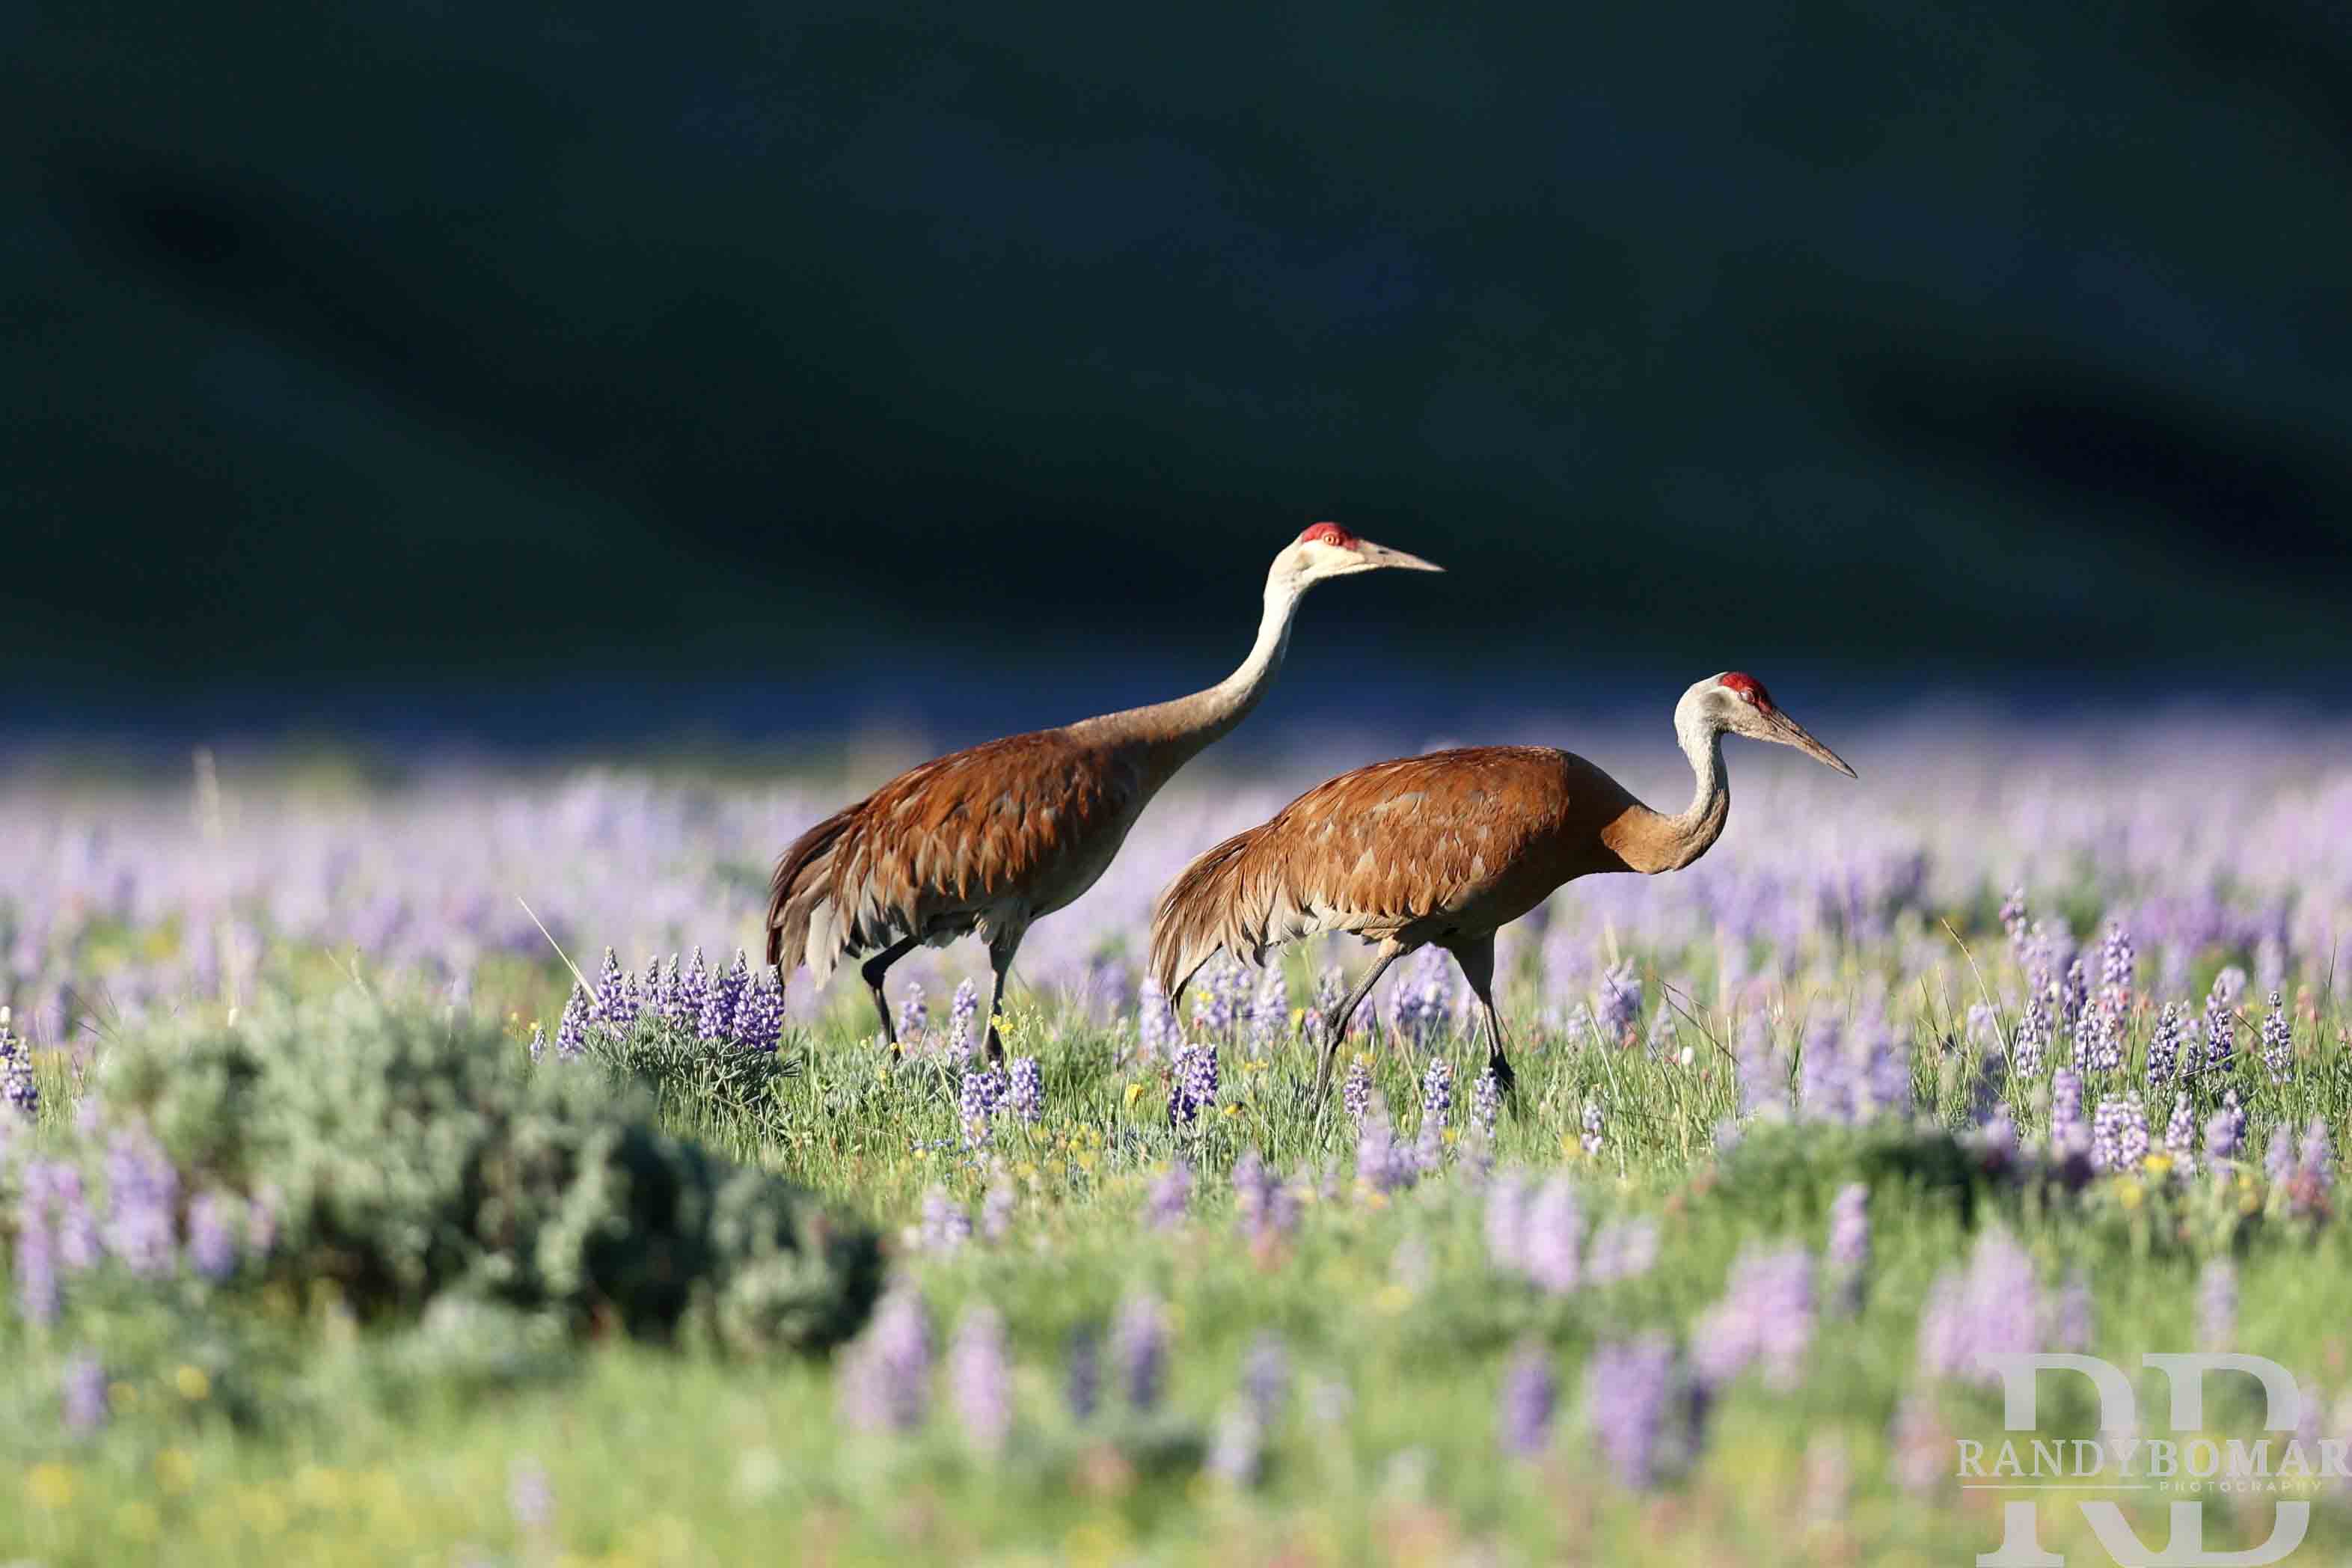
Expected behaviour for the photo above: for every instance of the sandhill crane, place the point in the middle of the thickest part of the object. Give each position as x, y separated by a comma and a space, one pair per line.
987, 841
1448, 848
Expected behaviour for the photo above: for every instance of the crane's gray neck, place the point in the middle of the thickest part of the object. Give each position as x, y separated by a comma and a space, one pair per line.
1183, 728
1694, 832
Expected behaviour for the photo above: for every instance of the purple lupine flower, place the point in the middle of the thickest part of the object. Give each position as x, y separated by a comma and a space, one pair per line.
965, 1008
1268, 1017
914, 1013
720, 1000
2278, 1159
1236, 1446
2221, 1017
1766, 1317
17, 1085
1417, 1001
1331, 993
2315, 1163
84, 1394
2278, 1042
1485, 1102
212, 1242
2074, 994
1529, 1394
1621, 1250
1212, 1001
1996, 1141
2180, 1135
2070, 1134
1139, 1349
2164, 1045
996, 1212
1825, 1072
1381, 1165
1992, 1304
1196, 1085
1356, 1089
1882, 1078
2098, 1041
537, 1046
885, 1374
2225, 1129
1618, 1006
1628, 1391
1506, 1223
979, 1379
78, 1248
2119, 1135
1763, 1084
2217, 1306
616, 998
2014, 917
1265, 1378
945, 1226
1849, 1245
2034, 1033
35, 1264
693, 989
1156, 1026
1260, 1201
759, 1014
1437, 1091
2117, 970
1082, 1374
1170, 1195
983, 1090
661, 988
1026, 1094
141, 1193
572, 1029
1551, 1243
1594, 1126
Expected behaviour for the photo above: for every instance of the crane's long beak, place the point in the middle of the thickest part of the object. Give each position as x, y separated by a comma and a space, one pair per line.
1788, 732
1381, 555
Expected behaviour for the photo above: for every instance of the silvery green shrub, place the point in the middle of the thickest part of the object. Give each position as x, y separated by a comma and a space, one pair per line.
406, 1155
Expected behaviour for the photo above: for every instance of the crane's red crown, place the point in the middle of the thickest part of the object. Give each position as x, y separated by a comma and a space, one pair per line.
1329, 534
1748, 688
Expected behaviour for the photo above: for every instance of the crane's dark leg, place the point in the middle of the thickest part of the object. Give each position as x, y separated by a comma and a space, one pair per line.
874, 969
1477, 957
1000, 958
1334, 1029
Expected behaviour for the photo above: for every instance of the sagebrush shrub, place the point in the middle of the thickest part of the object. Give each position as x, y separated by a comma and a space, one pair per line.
405, 1155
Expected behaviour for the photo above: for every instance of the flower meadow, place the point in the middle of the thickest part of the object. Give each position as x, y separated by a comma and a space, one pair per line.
423, 1168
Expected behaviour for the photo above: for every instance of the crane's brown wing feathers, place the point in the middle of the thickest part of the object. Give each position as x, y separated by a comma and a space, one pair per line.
999, 828
1409, 848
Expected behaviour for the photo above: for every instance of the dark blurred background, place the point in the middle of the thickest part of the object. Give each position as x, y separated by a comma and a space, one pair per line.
528, 373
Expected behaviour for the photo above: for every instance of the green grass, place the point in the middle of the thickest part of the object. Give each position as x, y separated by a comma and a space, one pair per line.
394, 1443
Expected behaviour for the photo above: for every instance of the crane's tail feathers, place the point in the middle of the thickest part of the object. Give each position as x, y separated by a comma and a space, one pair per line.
803, 925
1233, 898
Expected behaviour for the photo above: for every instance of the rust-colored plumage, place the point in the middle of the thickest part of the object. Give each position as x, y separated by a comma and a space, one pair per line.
1447, 849
987, 841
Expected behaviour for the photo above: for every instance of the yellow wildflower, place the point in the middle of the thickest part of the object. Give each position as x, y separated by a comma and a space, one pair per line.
175, 1470
193, 1385
51, 1485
